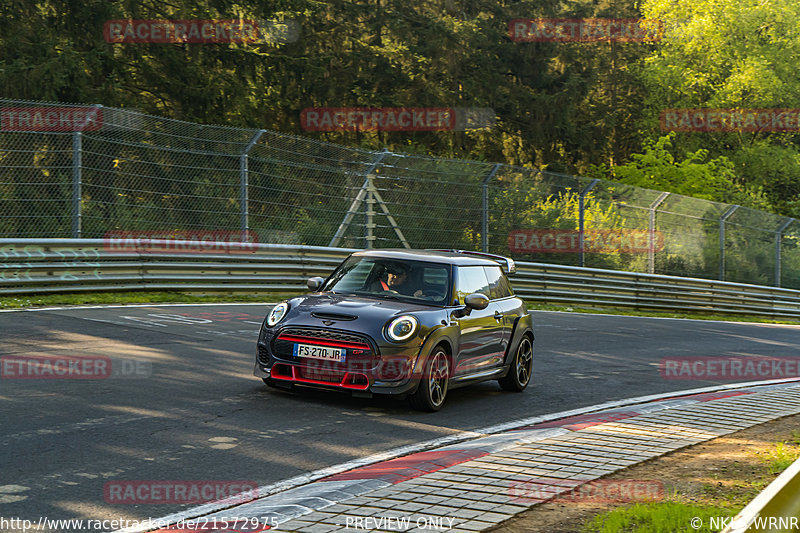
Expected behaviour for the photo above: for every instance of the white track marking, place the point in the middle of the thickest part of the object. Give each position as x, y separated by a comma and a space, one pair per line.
119, 306
305, 479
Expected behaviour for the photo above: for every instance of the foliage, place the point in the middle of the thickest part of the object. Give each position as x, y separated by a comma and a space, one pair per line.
697, 175
588, 108
734, 54
780, 457
662, 517
558, 104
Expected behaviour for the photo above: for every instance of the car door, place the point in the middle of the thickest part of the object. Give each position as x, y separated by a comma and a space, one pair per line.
481, 333
506, 307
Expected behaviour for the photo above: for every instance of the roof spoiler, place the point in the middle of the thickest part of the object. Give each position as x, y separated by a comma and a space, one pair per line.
506, 263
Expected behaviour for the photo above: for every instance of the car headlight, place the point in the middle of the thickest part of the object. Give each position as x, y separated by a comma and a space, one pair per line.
401, 328
277, 313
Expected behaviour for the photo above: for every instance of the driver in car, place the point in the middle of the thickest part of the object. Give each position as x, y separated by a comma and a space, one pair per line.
397, 281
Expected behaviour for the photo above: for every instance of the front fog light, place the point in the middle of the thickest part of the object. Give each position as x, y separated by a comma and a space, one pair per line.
401, 328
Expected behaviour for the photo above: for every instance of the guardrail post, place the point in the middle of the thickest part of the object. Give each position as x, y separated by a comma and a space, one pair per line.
778, 242
651, 252
244, 198
485, 208
581, 205
732, 209
77, 143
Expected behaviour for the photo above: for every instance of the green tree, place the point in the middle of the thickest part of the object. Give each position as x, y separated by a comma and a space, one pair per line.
733, 54
696, 174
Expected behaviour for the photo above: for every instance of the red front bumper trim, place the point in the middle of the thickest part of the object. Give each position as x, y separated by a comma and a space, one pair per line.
349, 380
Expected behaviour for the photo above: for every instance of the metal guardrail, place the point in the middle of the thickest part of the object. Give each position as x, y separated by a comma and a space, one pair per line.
776, 508
31, 266
568, 285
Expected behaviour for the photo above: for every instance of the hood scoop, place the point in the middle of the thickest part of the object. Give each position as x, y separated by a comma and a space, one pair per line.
333, 316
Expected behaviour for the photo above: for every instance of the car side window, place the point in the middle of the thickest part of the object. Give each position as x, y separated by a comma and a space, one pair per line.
498, 283
434, 280
471, 279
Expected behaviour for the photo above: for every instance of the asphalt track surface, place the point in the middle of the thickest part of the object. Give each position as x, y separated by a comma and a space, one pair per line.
192, 409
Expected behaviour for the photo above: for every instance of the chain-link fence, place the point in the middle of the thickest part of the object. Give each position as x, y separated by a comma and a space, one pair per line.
88, 171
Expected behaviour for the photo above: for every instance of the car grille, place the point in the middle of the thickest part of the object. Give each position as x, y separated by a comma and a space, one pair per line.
320, 375
327, 334
360, 353
263, 355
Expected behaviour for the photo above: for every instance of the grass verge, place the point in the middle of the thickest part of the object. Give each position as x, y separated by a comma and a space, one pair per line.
659, 314
661, 517
707, 483
728, 493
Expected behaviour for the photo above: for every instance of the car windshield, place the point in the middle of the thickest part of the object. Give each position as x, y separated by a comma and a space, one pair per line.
381, 277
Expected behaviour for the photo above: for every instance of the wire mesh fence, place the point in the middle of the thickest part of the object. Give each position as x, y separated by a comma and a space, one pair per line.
90, 171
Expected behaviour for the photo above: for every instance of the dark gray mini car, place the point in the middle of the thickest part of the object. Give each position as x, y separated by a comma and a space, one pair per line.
412, 323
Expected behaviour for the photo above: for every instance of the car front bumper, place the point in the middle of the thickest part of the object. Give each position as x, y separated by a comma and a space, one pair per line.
380, 370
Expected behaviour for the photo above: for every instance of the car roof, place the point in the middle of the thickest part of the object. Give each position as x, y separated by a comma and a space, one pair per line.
433, 256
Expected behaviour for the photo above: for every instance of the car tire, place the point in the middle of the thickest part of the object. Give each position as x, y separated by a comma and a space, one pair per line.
433, 385
519, 373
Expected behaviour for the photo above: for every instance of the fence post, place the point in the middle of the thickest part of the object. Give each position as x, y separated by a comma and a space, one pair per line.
360, 197
77, 177
581, 202
778, 242
244, 198
77, 142
369, 214
485, 208
651, 251
732, 209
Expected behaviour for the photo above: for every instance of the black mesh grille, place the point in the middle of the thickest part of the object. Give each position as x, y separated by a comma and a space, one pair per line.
360, 359
263, 355
329, 334
320, 375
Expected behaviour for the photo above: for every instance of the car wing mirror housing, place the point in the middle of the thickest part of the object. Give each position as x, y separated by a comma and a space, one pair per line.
315, 283
472, 301
477, 301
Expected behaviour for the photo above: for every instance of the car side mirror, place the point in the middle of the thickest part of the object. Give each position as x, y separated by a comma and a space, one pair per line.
476, 301
315, 283
472, 301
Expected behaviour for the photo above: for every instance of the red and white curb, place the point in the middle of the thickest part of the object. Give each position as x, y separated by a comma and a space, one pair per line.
326, 500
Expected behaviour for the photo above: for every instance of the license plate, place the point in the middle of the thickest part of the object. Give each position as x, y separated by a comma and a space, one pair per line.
325, 353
